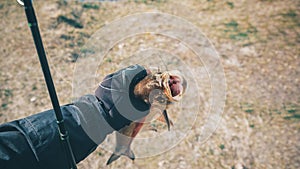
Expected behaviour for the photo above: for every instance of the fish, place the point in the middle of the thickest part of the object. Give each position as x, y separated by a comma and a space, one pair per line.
159, 90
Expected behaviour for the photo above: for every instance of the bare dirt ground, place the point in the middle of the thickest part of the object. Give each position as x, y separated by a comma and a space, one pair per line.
258, 42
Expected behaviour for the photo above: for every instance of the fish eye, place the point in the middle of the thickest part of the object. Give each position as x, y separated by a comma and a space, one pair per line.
161, 99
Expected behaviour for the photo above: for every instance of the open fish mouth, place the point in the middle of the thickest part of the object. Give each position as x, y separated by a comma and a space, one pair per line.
174, 85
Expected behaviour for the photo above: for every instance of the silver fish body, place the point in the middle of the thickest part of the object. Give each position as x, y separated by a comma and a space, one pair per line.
124, 139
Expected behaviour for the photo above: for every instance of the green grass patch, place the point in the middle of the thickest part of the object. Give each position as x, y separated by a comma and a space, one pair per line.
34, 87
109, 60
247, 44
230, 4
294, 116
80, 42
67, 37
247, 107
139, 1
8, 93
238, 36
234, 31
149, 1
91, 6
87, 51
277, 111
232, 24
290, 20
290, 14
292, 112
85, 35
249, 110
252, 29
69, 21
222, 146
4, 106
74, 56
290, 108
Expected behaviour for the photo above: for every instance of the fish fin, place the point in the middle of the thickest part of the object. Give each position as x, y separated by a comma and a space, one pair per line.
112, 158
130, 155
166, 119
149, 127
162, 119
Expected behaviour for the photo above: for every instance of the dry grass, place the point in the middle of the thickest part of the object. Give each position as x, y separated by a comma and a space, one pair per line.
258, 42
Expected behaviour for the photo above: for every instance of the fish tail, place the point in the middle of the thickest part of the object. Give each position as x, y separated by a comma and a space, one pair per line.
130, 155
114, 157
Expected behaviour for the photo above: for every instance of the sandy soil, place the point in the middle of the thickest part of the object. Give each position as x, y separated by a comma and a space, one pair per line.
258, 43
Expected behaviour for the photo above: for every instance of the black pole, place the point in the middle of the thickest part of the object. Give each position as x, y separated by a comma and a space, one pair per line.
33, 24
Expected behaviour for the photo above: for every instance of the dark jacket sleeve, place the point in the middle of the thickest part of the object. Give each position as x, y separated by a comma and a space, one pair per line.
33, 142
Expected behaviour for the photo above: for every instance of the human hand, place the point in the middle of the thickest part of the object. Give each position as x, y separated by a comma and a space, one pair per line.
116, 96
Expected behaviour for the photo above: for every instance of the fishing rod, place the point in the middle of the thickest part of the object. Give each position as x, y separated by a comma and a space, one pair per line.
33, 24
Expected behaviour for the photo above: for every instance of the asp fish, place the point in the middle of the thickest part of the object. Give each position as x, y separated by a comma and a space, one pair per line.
159, 90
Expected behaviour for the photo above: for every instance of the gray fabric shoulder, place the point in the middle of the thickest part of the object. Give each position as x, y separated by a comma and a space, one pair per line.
87, 102
91, 117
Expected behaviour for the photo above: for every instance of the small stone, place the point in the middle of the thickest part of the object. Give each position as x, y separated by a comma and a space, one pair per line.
33, 99
239, 166
248, 51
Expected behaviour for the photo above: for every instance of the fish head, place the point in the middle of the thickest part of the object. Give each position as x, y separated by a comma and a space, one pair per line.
161, 87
